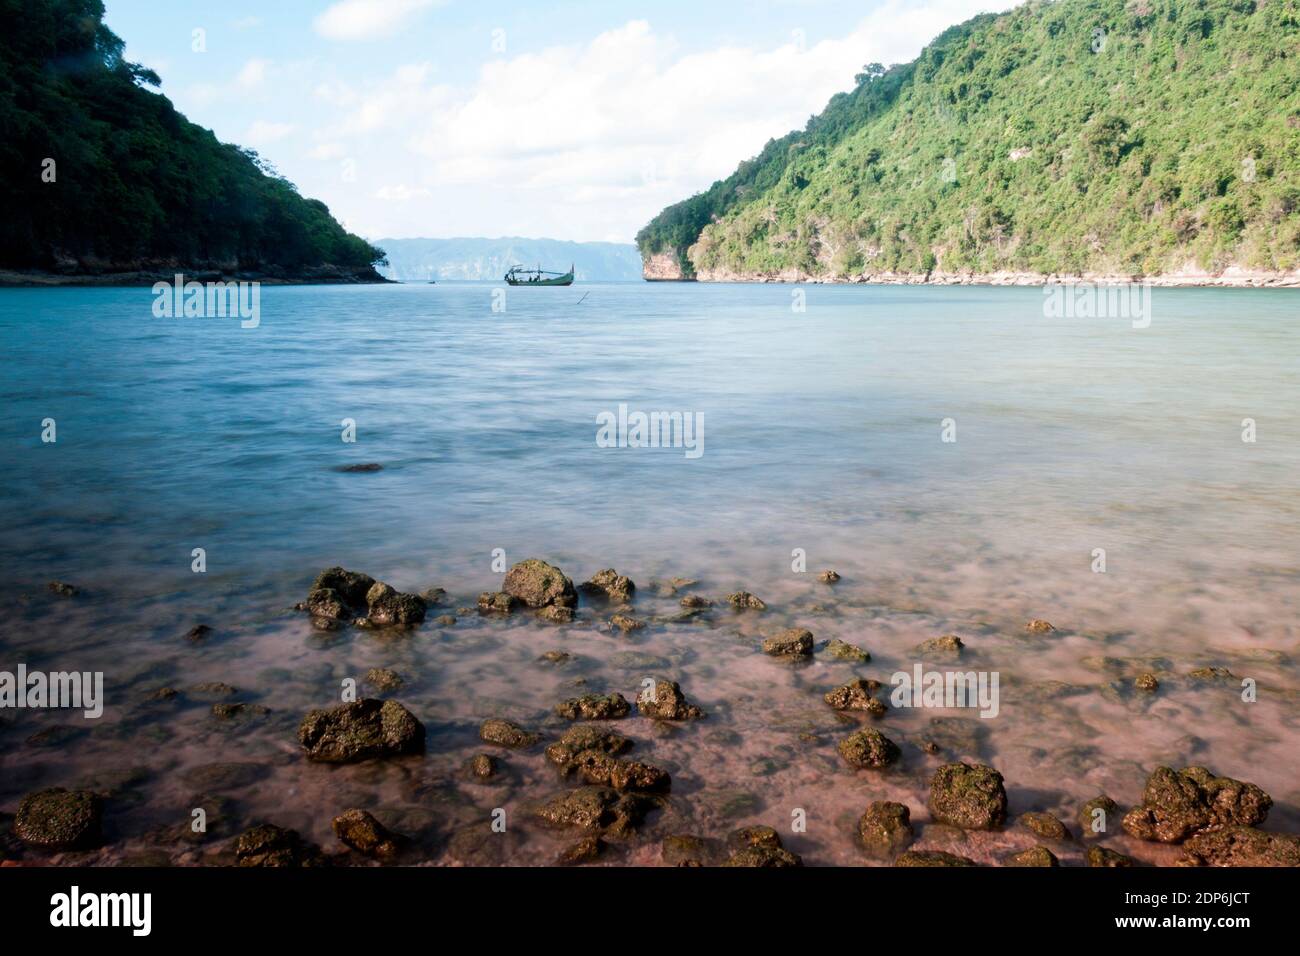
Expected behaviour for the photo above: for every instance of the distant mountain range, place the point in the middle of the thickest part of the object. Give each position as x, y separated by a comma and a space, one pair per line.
418, 260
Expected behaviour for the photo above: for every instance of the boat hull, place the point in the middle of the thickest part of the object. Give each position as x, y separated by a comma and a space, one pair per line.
562, 280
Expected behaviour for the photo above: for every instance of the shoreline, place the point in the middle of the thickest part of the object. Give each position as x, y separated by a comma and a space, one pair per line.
35, 279
1228, 279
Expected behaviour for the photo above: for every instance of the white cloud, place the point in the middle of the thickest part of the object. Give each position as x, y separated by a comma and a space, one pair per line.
252, 75
367, 19
402, 193
627, 123
327, 151
593, 138
263, 132
397, 102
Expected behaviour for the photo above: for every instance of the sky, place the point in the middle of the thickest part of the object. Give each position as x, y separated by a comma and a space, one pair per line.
567, 120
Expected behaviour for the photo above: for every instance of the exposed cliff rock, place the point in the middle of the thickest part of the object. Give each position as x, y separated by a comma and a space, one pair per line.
664, 266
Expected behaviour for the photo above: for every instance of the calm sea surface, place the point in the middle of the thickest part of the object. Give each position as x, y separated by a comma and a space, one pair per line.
822, 432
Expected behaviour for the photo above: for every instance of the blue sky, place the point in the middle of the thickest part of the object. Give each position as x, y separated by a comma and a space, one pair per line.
573, 120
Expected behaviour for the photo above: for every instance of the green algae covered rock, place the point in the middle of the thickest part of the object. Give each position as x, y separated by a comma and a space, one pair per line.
1176, 804
970, 796
361, 730
59, 819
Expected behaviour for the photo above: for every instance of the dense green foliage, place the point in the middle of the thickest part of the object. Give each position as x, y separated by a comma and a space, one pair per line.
136, 185
1122, 136
678, 226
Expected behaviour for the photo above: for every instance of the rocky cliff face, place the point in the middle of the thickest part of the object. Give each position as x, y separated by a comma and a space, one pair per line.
663, 267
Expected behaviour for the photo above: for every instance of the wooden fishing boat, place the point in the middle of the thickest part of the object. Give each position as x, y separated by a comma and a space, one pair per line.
518, 275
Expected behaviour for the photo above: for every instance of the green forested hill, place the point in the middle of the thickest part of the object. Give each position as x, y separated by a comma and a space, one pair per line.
1118, 136
136, 186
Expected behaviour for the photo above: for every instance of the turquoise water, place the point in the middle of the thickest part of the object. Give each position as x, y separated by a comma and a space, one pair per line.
822, 433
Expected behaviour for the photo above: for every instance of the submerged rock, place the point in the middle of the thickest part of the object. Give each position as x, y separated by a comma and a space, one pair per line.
793, 642
62, 589
583, 738
269, 845
601, 769
932, 858
351, 587
360, 831
223, 776
360, 730
584, 851
1039, 626
556, 614
1093, 823
1147, 683
609, 585
970, 796
1243, 846
482, 767
383, 679
1211, 675
885, 829
477, 844
689, 850
539, 584
59, 819
765, 857
626, 624
327, 605
759, 847
948, 647
843, 651
198, 633
695, 602
1045, 825
497, 602
555, 657
857, 695
667, 702
868, 748
745, 601
594, 808
339, 595
828, 576
1034, 856
1100, 856
238, 711
1176, 804
387, 607
506, 733
594, 707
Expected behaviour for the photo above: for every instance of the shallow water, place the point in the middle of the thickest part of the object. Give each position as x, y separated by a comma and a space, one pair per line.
822, 433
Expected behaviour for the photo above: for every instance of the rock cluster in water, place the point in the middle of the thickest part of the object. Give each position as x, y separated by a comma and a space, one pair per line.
609, 793
1179, 803
339, 595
